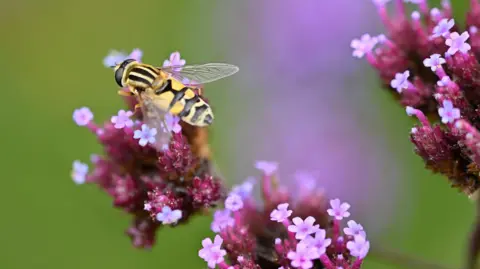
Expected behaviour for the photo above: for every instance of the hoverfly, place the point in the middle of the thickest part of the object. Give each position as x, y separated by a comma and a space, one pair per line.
172, 89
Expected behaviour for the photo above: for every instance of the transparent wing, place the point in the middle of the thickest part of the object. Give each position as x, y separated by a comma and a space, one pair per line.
154, 117
200, 74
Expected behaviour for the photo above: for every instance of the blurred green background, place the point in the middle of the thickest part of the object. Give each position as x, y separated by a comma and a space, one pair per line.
51, 57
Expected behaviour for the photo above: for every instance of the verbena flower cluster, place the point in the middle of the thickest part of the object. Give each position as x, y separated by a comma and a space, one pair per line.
430, 65
164, 183
280, 233
157, 185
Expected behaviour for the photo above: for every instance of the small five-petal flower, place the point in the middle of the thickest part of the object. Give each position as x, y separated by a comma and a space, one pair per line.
146, 135
448, 112
169, 216
338, 210
122, 119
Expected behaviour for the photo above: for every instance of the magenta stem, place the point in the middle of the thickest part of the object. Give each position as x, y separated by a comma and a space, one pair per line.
266, 187
440, 72
400, 7
421, 117
424, 8
336, 230
223, 265
92, 127
291, 236
357, 264
327, 262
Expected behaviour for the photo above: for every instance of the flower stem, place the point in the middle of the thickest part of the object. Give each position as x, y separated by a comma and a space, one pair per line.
404, 260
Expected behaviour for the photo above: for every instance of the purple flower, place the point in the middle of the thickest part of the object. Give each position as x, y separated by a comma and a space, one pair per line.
380, 2
457, 42
146, 135
302, 228
212, 252
174, 60
169, 216
115, 57
434, 61
79, 172
173, 123
338, 210
359, 247
302, 256
122, 119
268, 168
400, 82
234, 202
147, 207
319, 242
363, 45
444, 81
221, 220
281, 213
354, 229
82, 116
443, 28
448, 113
244, 189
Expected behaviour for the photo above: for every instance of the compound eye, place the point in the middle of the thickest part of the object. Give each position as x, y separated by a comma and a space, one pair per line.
119, 76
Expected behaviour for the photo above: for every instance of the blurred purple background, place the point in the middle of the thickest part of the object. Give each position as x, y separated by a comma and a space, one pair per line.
303, 103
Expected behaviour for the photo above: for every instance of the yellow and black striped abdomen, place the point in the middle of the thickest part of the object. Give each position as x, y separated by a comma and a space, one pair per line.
142, 76
184, 102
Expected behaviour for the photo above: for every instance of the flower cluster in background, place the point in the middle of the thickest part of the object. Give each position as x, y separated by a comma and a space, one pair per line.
431, 66
157, 186
281, 233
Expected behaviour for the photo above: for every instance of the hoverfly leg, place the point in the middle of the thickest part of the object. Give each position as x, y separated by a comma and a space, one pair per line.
124, 93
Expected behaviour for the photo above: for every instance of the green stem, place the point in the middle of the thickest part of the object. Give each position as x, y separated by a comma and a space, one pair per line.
404, 260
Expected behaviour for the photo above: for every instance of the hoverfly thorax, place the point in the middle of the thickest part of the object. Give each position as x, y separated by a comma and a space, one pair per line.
121, 71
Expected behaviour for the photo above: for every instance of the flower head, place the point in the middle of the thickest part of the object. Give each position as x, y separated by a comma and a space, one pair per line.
354, 229
434, 61
443, 28
82, 116
281, 213
234, 202
174, 61
363, 45
458, 42
156, 185
442, 86
302, 228
173, 123
338, 210
212, 252
245, 189
146, 135
280, 233
448, 113
222, 219
122, 119
115, 57
79, 172
302, 257
319, 243
268, 168
400, 82
359, 247
169, 216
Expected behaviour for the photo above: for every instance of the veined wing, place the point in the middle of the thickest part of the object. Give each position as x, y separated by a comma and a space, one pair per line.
200, 74
154, 117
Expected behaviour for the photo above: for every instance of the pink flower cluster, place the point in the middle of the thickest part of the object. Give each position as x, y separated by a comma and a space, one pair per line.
431, 66
157, 185
279, 237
